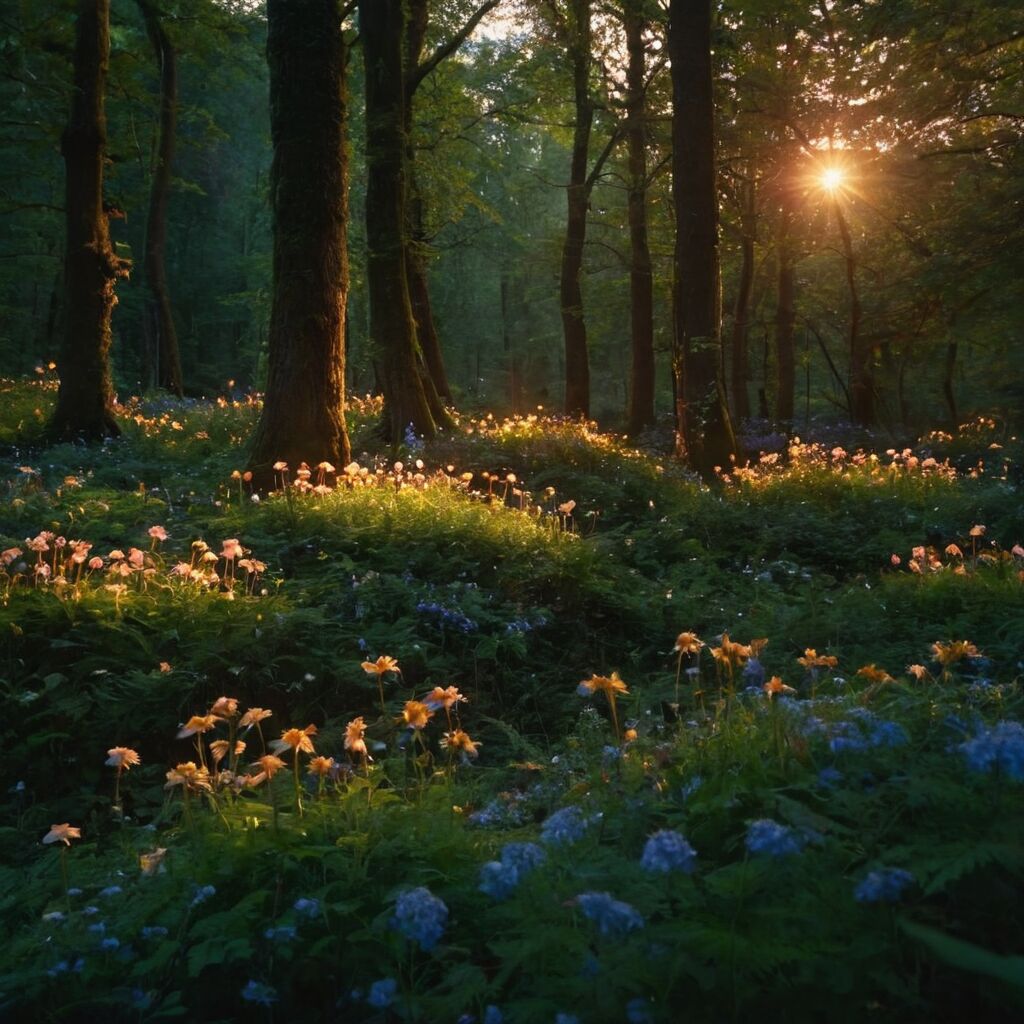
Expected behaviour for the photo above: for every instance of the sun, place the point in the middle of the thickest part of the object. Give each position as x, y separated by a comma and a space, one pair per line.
832, 179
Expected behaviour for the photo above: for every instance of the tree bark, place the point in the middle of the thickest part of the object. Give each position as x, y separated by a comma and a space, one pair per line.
641, 281
392, 325
91, 268
158, 313
741, 311
574, 329
785, 324
704, 436
303, 415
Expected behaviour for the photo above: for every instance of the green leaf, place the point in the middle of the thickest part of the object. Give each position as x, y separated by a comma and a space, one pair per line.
966, 955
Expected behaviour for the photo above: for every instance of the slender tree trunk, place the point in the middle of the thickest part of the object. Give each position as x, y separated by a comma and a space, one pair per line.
948, 390
158, 304
641, 281
91, 268
574, 329
392, 325
704, 436
303, 415
862, 381
741, 313
785, 324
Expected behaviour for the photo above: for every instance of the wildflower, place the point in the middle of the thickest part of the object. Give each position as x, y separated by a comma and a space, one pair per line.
612, 916
883, 886
565, 826
875, 675
269, 765
688, 643
111, 890
122, 758
977, 531
189, 776
888, 734
54, 916
420, 916
110, 944
253, 717
321, 766
499, 878
416, 714
165, 667
62, 834
775, 686
219, 749
609, 686
231, 549
295, 739
492, 1015
225, 707
158, 533
919, 672
306, 906
382, 993
281, 933
355, 743
198, 724
381, 666
203, 893
638, 1011
812, 660
770, 838
154, 931
446, 697
730, 654
459, 740
152, 863
999, 748
947, 654
667, 851
257, 992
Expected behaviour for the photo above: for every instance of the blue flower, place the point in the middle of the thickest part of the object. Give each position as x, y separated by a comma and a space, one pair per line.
110, 944
829, 777
638, 1011
281, 933
612, 916
566, 1018
306, 907
999, 748
691, 787
885, 885
668, 851
775, 840
492, 1015
500, 878
111, 890
420, 916
257, 992
382, 993
565, 826
54, 916
888, 734
155, 931
203, 894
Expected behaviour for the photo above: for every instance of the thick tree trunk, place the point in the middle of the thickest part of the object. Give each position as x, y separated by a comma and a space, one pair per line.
741, 311
785, 324
91, 268
158, 304
303, 415
704, 436
574, 329
392, 325
862, 378
641, 281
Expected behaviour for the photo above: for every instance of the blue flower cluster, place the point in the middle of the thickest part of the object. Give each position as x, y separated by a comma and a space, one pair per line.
612, 916
420, 916
281, 933
865, 731
412, 441
886, 885
445, 616
565, 826
382, 993
768, 837
307, 907
1000, 748
203, 894
499, 878
638, 1011
257, 992
499, 813
667, 851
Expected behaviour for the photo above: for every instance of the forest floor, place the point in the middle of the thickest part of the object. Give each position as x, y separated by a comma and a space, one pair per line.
745, 748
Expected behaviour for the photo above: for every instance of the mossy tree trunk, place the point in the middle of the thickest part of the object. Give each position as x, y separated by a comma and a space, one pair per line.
303, 415
159, 317
85, 401
741, 310
704, 437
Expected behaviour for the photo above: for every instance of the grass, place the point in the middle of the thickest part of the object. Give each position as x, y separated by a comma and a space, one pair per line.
590, 558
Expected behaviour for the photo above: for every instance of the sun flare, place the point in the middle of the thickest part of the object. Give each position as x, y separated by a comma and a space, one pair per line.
832, 178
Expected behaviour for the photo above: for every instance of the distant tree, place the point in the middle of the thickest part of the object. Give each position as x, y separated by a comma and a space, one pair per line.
91, 268
161, 336
303, 413
704, 436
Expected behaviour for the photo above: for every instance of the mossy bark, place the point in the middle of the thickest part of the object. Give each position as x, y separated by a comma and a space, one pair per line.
303, 414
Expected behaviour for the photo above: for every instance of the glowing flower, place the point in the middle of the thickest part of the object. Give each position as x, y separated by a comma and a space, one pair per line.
775, 686
62, 834
231, 549
158, 533
269, 765
919, 672
122, 757
416, 714
446, 698
225, 707
602, 684
253, 717
295, 739
688, 643
321, 766
977, 531
354, 733
188, 775
381, 666
198, 724
459, 740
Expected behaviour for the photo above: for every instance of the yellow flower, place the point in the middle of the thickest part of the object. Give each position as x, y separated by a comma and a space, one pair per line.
383, 664
354, 733
153, 862
607, 685
62, 834
295, 739
197, 724
321, 766
254, 716
188, 775
688, 643
122, 757
459, 740
416, 714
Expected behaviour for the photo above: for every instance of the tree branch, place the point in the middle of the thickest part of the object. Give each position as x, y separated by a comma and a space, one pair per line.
446, 49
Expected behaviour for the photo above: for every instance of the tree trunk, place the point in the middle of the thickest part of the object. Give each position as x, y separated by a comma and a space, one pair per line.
641, 281
785, 324
392, 326
91, 268
741, 314
574, 329
948, 390
862, 380
158, 304
303, 415
704, 436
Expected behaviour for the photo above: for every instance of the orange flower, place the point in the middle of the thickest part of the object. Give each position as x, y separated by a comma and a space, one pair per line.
321, 766
189, 775
416, 714
446, 698
225, 707
295, 739
122, 757
919, 672
270, 765
775, 686
219, 749
197, 724
62, 834
688, 643
354, 733
253, 716
812, 660
153, 862
730, 654
459, 740
875, 675
954, 651
383, 664
607, 685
